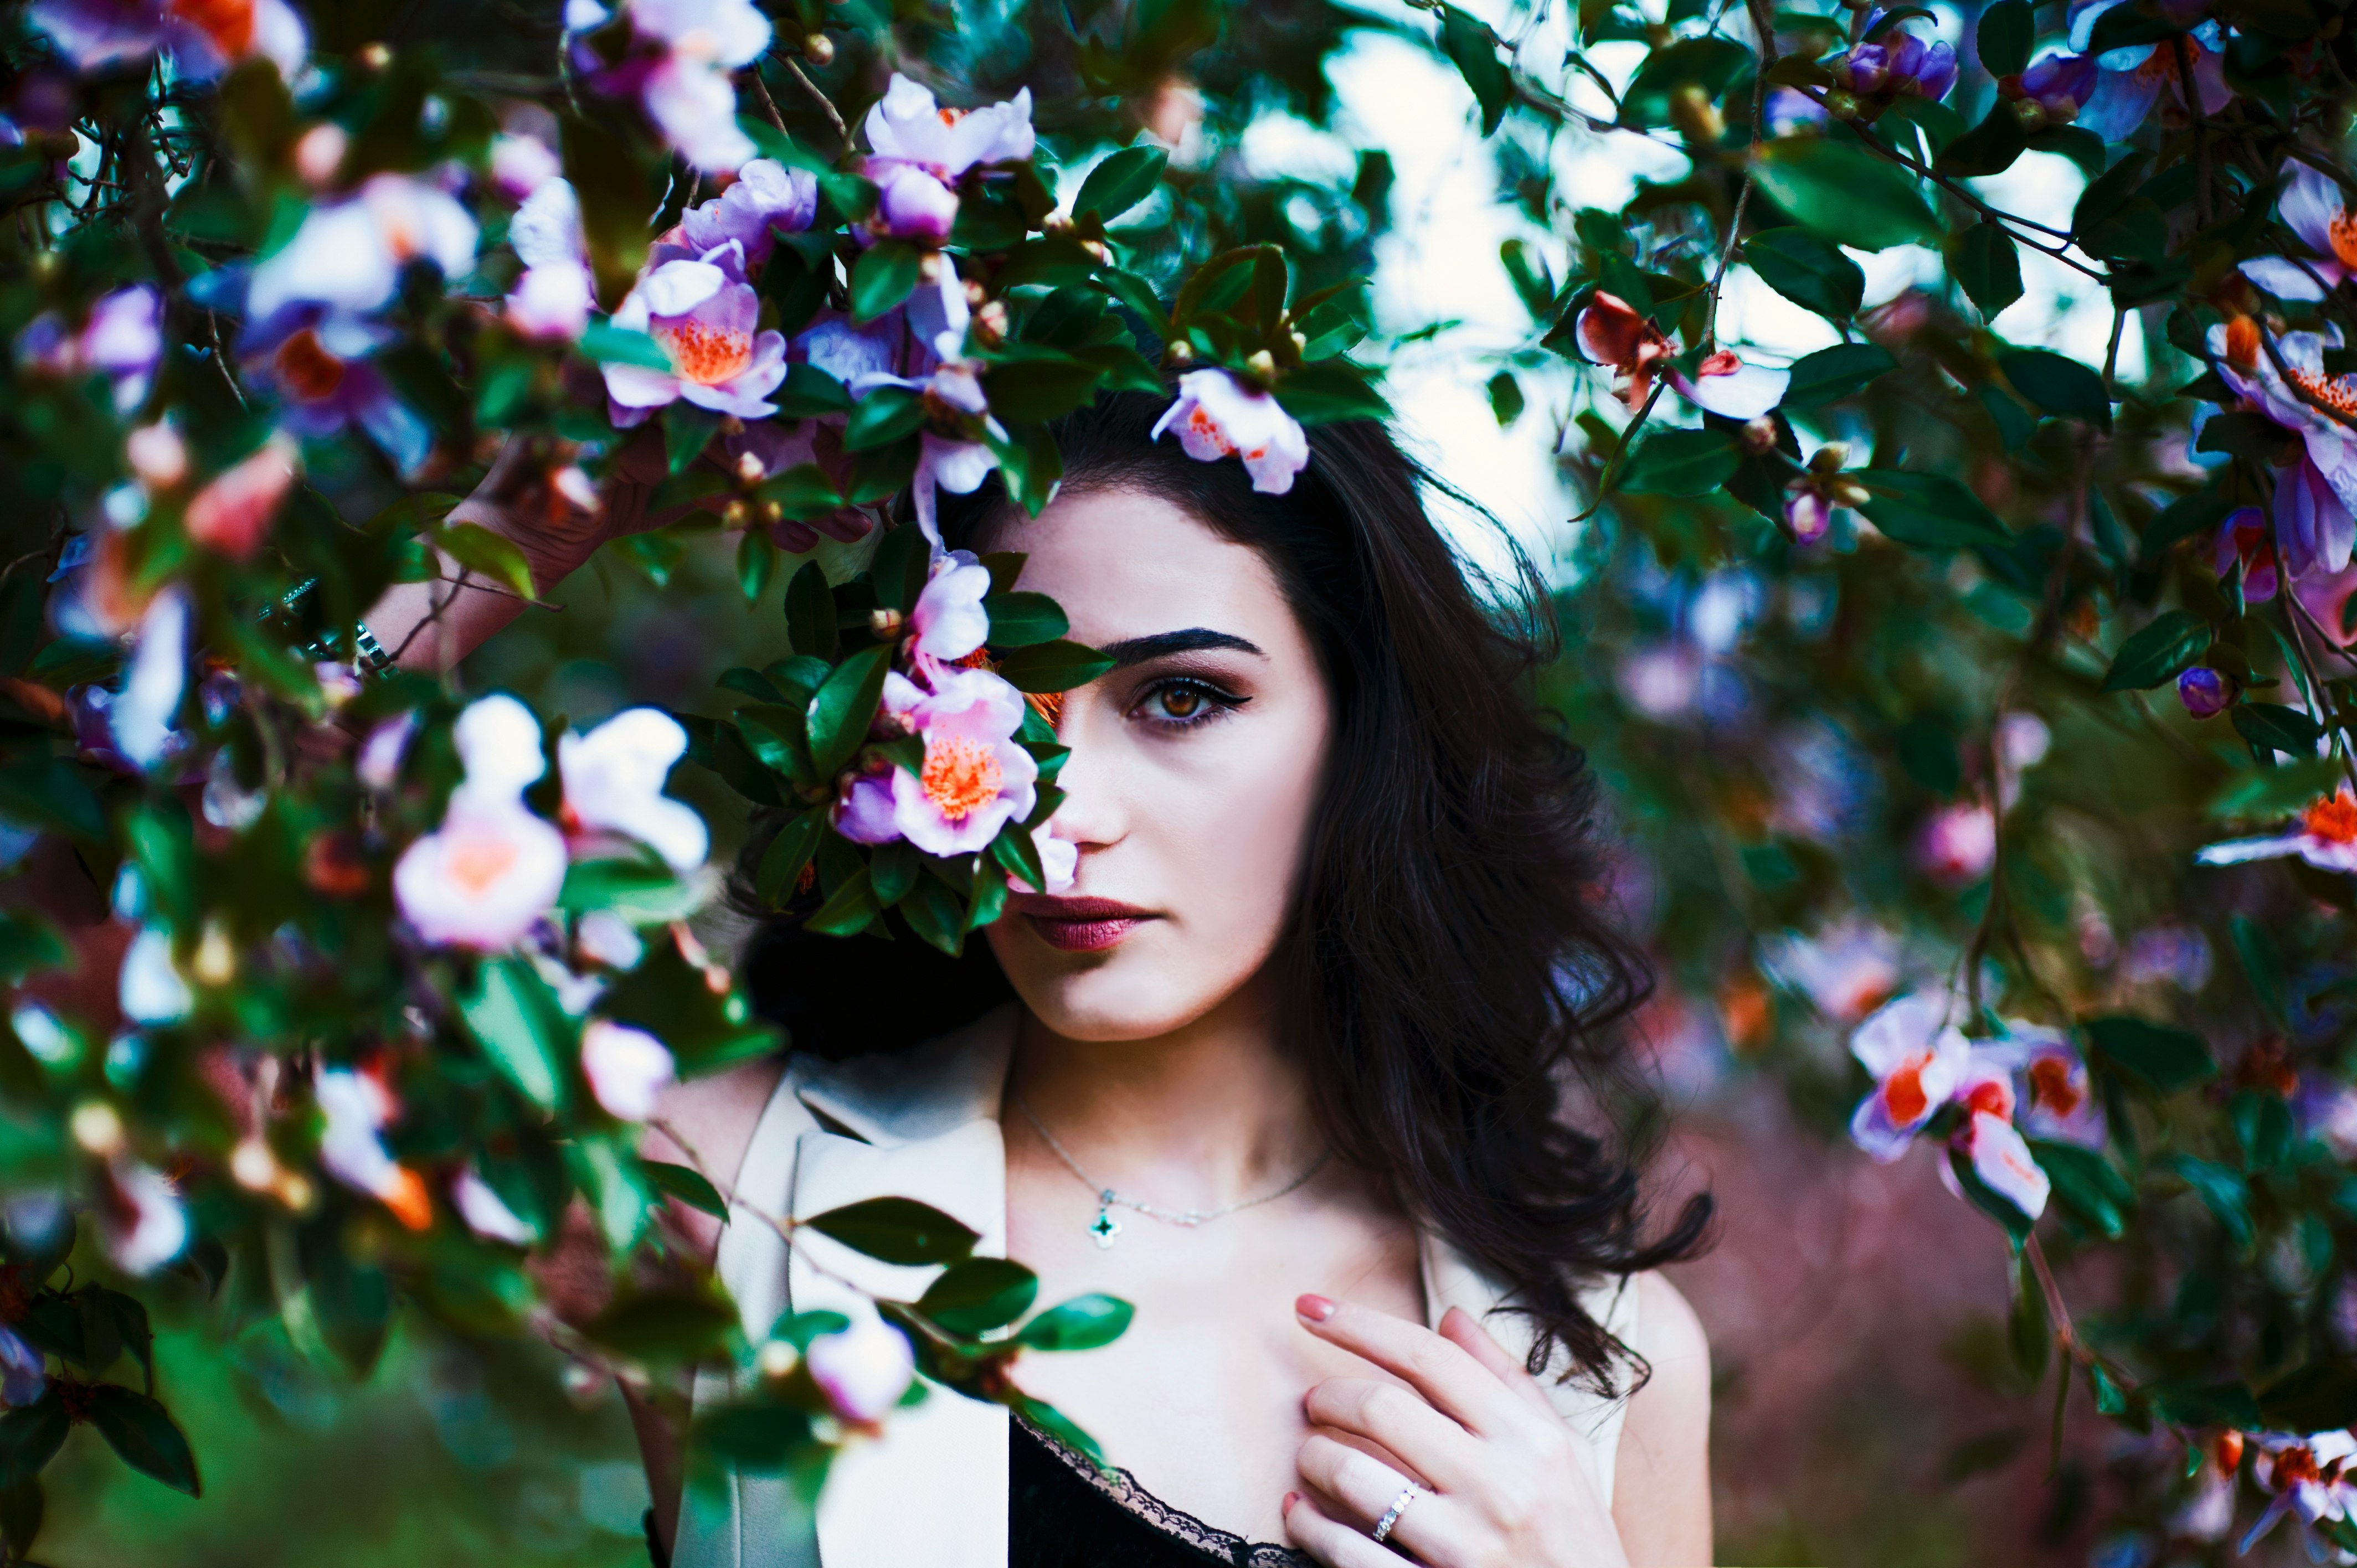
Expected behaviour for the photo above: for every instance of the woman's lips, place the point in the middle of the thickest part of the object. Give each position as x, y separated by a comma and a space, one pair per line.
1080, 925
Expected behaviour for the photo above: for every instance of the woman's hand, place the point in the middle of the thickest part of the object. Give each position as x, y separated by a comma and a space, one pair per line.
1505, 1483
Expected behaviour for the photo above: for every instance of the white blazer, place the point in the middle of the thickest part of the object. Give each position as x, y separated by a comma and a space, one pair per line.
933, 1489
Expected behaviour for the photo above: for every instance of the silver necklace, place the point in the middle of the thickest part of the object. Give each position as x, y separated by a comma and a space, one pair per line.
1104, 1227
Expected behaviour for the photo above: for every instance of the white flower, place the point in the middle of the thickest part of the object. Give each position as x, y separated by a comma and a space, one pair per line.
922, 151
688, 94
628, 1069
2326, 839
142, 716
2002, 1162
486, 1213
864, 1370
143, 1224
1919, 1061
499, 740
1218, 417
520, 164
554, 297
348, 255
149, 986
356, 1107
949, 620
1847, 969
614, 778
606, 937
379, 765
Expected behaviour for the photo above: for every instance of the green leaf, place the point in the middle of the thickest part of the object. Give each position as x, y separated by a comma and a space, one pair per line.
883, 417
809, 612
1050, 667
884, 275
1831, 374
1680, 462
687, 1186
1807, 271
1328, 392
2223, 1191
31, 1434
840, 713
1506, 399
2276, 727
662, 1328
1984, 265
789, 851
2004, 36
145, 1436
1024, 619
1993, 146
897, 1230
1084, 1322
980, 1295
2188, 515
611, 345
2318, 1397
1120, 182
2087, 1186
1468, 41
936, 913
2159, 652
514, 1016
1040, 386
757, 562
809, 392
2059, 384
1845, 193
1928, 512
478, 550
2274, 792
2186, 1401
848, 910
2154, 1057
1711, 64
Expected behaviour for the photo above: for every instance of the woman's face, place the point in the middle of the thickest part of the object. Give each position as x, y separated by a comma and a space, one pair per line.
1194, 774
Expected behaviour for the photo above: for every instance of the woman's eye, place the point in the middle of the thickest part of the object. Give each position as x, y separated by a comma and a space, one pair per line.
1180, 704
1183, 703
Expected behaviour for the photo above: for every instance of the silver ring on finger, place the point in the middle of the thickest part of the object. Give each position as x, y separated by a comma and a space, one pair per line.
1392, 1515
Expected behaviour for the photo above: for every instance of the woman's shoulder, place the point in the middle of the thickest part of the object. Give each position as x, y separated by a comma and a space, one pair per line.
708, 1123
1661, 1487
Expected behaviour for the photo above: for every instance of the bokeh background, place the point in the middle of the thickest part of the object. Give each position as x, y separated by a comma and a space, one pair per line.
1867, 1411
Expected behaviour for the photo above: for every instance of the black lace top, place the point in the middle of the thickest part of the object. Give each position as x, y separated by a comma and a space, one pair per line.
1064, 1512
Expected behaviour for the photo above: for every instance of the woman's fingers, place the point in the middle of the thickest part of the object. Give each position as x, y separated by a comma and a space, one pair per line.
1329, 1541
1364, 1489
1461, 1329
1444, 1372
1399, 1421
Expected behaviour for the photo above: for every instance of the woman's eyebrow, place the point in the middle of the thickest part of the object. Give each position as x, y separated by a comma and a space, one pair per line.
1132, 650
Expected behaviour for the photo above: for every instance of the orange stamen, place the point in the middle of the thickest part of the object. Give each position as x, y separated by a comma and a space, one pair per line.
478, 863
309, 371
960, 775
2050, 1086
2333, 821
705, 355
1902, 1093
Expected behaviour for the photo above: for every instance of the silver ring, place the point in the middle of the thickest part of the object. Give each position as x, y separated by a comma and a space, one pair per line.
1392, 1517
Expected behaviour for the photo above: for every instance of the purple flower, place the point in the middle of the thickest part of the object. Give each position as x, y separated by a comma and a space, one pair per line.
23, 1373
2206, 692
2130, 81
949, 621
204, 38
973, 781
1219, 415
317, 361
2061, 85
706, 319
1899, 64
554, 297
2314, 208
2245, 539
921, 151
2057, 1102
1918, 1060
925, 339
123, 339
766, 200
675, 57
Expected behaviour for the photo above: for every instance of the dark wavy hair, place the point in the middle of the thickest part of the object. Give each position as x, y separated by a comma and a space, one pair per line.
1459, 987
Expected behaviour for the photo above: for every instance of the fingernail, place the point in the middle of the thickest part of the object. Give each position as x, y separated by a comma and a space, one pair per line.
1286, 1506
1315, 1308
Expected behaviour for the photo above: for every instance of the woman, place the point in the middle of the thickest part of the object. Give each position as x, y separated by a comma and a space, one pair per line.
1291, 1067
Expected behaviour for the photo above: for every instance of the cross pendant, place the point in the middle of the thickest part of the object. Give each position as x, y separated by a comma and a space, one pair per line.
1106, 1227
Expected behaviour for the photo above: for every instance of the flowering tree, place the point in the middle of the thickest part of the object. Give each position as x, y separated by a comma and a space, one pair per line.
389, 979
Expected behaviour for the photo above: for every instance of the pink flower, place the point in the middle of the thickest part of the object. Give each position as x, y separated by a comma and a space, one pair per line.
486, 1213
1611, 332
864, 1370
628, 1069
949, 620
768, 200
492, 869
1847, 969
1221, 415
1918, 1059
919, 152
2306, 1476
2058, 1100
705, 321
2002, 1162
553, 298
676, 59
232, 513
123, 339
1060, 861
2314, 498
204, 38
141, 1220
974, 779
1958, 844
2313, 207
521, 164
2326, 839
613, 780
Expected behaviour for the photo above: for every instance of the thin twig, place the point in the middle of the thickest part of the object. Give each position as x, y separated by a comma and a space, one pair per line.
834, 115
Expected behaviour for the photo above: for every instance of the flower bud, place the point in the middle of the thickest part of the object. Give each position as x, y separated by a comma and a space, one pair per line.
777, 1360
1300, 343
1697, 118
215, 962
819, 50
2206, 693
750, 469
736, 514
863, 1370
2029, 113
2226, 1451
1759, 435
2242, 342
320, 153
990, 321
372, 57
158, 457
886, 623
97, 1128
1261, 363
1830, 458
253, 1166
1840, 102
929, 266
773, 512
1178, 351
